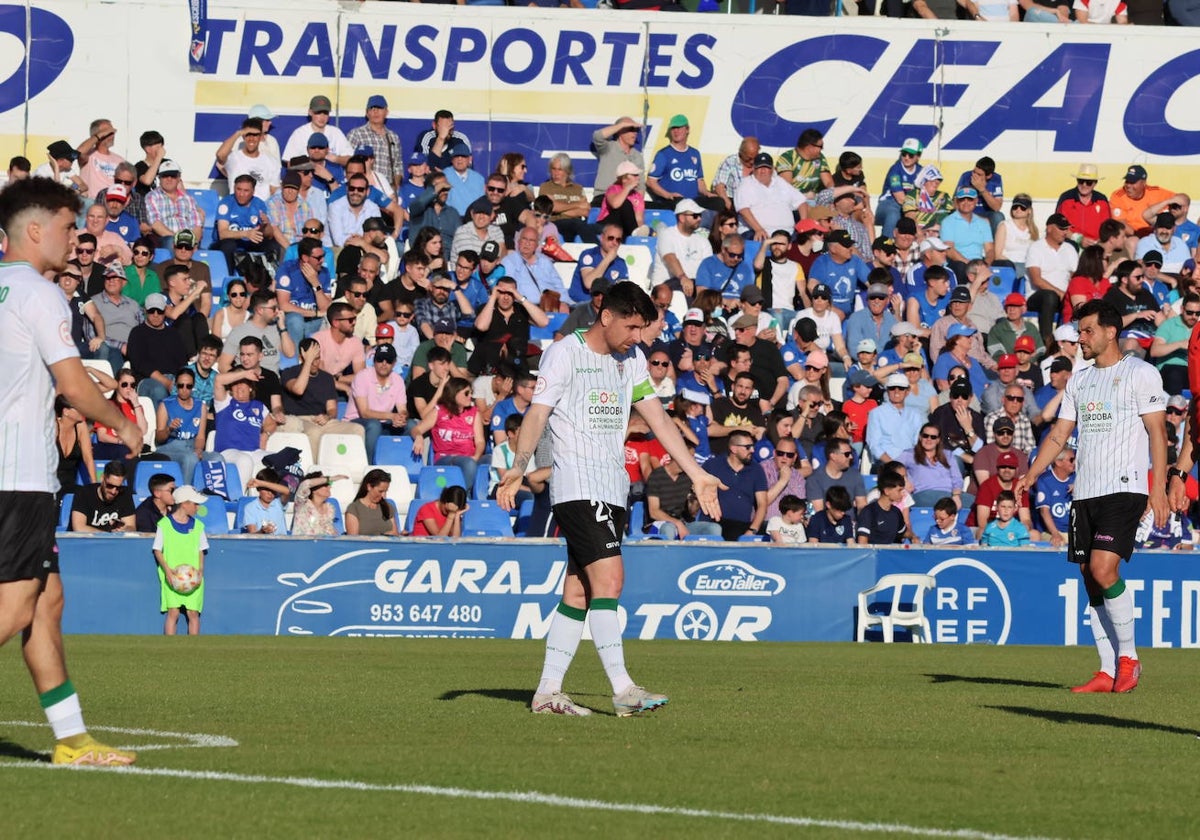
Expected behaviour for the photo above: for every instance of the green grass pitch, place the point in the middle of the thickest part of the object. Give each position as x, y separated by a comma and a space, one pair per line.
835, 740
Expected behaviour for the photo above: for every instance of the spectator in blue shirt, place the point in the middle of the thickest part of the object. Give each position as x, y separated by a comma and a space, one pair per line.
899, 180
1052, 497
984, 179
946, 529
840, 269
602, 260
727, 272
834, 523
1005, 530
744, 503
893, 426
304, 290
242, 224
466, 184
677, 172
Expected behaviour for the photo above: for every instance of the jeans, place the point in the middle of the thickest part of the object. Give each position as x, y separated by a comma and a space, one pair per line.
300, 327
1040, 14
668, 531
887, 213
183, 453
155, 390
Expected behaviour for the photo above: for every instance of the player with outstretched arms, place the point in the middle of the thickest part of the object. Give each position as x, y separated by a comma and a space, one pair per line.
587, 384
1119, 407
37, 353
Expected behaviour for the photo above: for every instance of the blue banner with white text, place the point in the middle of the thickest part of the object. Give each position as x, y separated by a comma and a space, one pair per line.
701, 591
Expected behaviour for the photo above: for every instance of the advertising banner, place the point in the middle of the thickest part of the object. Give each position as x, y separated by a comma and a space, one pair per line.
1039, 99
700, 591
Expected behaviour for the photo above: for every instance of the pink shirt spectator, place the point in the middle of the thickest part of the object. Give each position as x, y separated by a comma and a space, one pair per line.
391, 397
637, 199
98, 172
335, 357
454, 434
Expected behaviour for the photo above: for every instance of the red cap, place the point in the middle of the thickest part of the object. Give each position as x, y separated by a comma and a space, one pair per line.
385, 331
1015, 299
805, 225
1008, 360
1025, 343
1007, 459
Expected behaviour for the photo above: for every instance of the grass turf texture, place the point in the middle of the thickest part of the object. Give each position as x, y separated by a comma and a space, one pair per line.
933, 737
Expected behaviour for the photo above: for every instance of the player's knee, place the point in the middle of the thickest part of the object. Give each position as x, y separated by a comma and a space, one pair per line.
14, 619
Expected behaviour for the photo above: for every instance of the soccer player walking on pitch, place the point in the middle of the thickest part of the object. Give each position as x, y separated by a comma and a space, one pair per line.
1119, 406
586, 386
36, 352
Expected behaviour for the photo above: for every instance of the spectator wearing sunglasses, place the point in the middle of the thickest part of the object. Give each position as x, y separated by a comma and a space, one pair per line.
727, 271
106, 506
183, 252
124, 225
601, 261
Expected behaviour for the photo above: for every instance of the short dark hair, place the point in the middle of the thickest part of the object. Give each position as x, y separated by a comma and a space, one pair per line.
213, 342
524, 377
809, 136
173, 270
513, 422
890, 480
152, 137
791, 503
1106, 314
837, 497
245, 179
338, 310
261, 298
936, 272
43, 194
185, 371
946, 505
308, 245
740, 434
115, 468
81, 239
470, 256
543, 204
1110, 229
437, 353
443, 114
987, 165
20, 163
252, 122
251, 341
160, 480
1006, 496
628, 299
306, 343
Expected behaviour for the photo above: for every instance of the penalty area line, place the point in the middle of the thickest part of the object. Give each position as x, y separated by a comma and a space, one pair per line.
526, 798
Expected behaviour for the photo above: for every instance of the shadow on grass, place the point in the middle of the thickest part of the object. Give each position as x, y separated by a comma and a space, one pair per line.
513, 695
948, 678
10, 750
1091, 719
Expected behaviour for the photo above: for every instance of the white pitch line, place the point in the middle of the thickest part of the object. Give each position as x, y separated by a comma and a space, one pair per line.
194, 739
528, 798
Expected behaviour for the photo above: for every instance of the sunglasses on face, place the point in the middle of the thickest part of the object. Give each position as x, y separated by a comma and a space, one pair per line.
179, 386
85, 250
356, 189
238, 294
356, 294
1192, 312
113, 487
185, 247
660, 364
1004, 432
403, 314
130, 384
312, 230
141, 252
930, 437
1014, 399
492, 189
783, 453
1085, 182
736, 255
155, 312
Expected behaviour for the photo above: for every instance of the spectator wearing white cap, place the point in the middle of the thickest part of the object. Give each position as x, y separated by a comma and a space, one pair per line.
893, 426
249, 159
170, 209
680, 250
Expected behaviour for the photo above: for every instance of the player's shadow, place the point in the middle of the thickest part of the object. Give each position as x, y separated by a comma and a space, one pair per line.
938, 679
10, 750
1092, 719
513, 695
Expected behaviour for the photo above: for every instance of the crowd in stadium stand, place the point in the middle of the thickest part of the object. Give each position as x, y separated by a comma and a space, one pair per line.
857, 364
1140, 12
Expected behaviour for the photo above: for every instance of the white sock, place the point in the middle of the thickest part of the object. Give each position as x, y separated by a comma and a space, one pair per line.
66, 717
562, 640
1103, 632
1120, 610
606, 633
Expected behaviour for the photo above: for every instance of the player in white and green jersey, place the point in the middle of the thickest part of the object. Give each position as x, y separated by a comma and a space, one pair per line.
587, 385
36, 354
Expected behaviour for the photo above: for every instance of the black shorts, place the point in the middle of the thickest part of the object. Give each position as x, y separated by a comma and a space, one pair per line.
27, 523
593, 530
1105, 523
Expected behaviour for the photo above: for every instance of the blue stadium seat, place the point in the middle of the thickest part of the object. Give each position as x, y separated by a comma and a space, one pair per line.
704, 538
231, 489
207, 201
659, 218
339, 521
524, 513
753, 538
593, 215
482, 480
432, 479
218, 270
411, 519
64, 512
1004, 281
752, 249
637, 519
145, 469
487, 517
649, 241
546, 333
921, 519
214, 517
398, 449
162, 254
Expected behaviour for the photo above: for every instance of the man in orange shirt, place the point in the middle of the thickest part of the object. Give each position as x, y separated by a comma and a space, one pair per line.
1131, 201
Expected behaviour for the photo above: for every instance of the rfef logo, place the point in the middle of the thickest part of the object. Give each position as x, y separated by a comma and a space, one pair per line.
970, 603
48, 46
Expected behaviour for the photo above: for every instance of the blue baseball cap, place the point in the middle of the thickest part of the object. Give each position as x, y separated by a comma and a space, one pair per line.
965, 192
376, 101
318, 141
417, 159
960, 329
460, 150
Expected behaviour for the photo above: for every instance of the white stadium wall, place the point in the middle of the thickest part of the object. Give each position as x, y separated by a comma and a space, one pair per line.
1039, 99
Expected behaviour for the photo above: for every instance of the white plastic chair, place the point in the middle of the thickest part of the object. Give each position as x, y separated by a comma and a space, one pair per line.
282, 440
639, 260
897, 616
151, 415
344, 454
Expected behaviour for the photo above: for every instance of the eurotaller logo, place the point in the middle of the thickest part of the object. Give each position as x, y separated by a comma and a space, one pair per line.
730, 578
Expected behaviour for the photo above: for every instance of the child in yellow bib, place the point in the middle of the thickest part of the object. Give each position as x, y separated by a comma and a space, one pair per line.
180, 541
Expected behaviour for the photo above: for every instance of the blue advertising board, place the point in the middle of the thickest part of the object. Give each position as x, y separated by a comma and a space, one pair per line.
702, 591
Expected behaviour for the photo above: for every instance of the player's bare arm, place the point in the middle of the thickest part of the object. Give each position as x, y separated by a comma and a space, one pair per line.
1156, 427
1055, 441
531, 432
